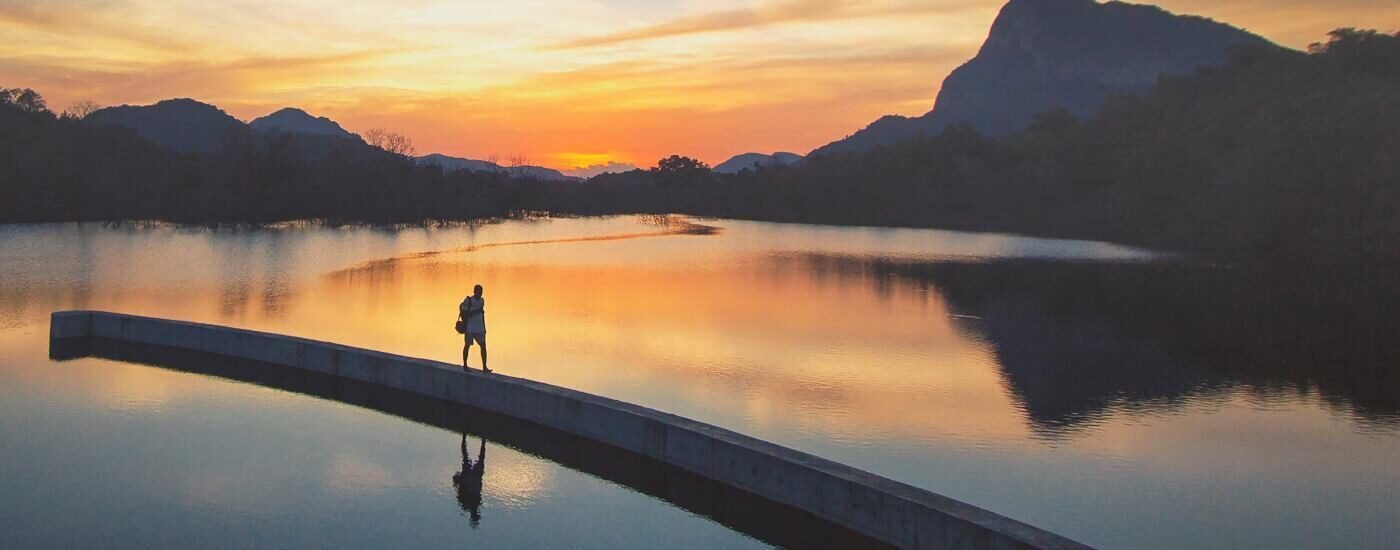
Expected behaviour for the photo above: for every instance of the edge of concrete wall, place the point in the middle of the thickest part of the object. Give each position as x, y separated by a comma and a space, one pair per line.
884, 509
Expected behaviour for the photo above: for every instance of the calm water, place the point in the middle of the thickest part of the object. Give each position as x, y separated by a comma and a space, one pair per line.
1077, 386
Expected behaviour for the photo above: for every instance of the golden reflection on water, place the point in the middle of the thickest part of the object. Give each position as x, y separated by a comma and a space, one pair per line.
768, 341
841, 342
822, 352
681, 316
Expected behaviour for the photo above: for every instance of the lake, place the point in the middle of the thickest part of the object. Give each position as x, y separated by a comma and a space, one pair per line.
1113, 395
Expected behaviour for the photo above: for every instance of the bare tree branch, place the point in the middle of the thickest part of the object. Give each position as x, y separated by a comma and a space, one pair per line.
81, 109
392, 142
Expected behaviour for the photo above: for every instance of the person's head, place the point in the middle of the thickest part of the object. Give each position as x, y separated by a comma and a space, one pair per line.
477, 291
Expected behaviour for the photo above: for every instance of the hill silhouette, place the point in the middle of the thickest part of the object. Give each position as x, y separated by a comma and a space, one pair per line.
296, 121
186, 161
183, 125
750, 161
450, 164
1276, 157
1070, 54
190, 126
458, 163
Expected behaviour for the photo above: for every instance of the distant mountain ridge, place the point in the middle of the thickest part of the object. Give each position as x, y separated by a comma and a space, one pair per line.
750, 161
292, 120
1043, 54
458, 163
190, 126
450, 163
183, 125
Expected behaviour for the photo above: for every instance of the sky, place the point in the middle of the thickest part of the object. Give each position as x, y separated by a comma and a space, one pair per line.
569, 84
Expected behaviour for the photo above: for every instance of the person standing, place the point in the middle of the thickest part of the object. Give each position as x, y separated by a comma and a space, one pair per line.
472, 313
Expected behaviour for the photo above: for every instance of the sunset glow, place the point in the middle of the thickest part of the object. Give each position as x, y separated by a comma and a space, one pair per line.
564, 84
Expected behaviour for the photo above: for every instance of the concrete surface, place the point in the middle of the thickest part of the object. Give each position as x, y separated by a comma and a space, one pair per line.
878, 507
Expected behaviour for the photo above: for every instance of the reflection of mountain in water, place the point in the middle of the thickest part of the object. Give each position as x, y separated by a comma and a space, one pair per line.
1075, 341
1066, 372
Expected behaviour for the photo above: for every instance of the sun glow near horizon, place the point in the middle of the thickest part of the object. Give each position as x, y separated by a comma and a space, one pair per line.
603, 84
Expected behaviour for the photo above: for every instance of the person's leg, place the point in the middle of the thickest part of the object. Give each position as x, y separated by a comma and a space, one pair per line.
481, 341
466, 349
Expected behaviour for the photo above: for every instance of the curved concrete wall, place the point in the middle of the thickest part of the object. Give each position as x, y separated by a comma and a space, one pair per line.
878, 507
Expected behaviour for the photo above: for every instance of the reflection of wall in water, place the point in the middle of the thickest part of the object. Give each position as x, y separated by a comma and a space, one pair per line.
756, 516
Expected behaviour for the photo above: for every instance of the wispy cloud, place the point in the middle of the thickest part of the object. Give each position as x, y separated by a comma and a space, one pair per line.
97, 21
597, 82
784, 11
78, 78
635, 112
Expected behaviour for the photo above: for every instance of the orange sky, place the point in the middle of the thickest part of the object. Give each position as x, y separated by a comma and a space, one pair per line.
564, 83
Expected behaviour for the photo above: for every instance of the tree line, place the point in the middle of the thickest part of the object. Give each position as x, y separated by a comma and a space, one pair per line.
62, 168
1279, 155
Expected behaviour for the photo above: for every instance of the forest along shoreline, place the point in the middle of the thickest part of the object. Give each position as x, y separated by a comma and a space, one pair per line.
1277, 158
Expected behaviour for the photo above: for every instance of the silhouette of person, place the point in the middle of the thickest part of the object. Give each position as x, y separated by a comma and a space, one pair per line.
468, 482
472, 312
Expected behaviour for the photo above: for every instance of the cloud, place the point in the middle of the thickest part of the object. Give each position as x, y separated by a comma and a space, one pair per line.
1291, 21
69, 78
611, 167
785, 11
724, 82
54, 16
818, 70
641, 110
93, 20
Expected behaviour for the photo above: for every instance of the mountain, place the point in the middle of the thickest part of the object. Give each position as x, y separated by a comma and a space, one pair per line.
183, 125
749, 161
1043, 54
451, 164
540, 173
296, 121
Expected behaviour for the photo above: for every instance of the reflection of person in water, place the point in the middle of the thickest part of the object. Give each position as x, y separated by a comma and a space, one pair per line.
468, 482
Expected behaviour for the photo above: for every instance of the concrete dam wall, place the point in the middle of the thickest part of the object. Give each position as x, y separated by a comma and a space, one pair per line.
878, 507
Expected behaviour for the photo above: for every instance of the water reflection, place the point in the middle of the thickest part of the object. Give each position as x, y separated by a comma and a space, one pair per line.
1075, 342
755, 516
645, 312
1112, 395
467, 482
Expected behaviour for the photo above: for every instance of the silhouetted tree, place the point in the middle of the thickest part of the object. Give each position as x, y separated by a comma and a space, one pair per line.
518, 165
81, 109
1363, 51
1276, 157
24, 99
392, 142
678, 170
401, 145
